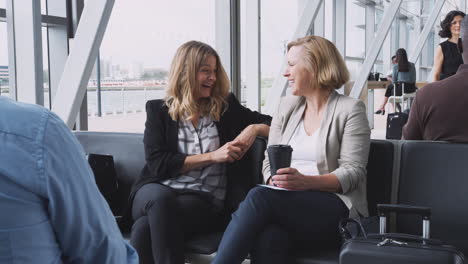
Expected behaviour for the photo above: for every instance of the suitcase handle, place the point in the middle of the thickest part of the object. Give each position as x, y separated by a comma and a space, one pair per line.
406, 237
424, 212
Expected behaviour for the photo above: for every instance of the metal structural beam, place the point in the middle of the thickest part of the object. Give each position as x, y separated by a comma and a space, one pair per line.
370, 34
11, 49
304, 25
253, 54
235, 48
76, 9
25, 41
80, 62
47, 20
426, 30
58, 45
374, 49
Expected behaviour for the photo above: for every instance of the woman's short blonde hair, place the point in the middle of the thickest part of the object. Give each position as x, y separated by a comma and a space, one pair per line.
182, 83
324, 61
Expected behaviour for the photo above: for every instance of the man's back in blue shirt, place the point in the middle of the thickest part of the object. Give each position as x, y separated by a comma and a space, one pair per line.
50, 208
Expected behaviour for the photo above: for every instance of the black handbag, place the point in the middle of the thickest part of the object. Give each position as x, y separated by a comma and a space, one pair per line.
389, 248
106, 178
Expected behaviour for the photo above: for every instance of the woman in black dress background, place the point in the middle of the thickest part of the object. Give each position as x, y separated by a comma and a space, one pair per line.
448, 54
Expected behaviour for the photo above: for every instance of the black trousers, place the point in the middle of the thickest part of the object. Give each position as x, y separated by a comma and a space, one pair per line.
409, 88
269, 224
165, 219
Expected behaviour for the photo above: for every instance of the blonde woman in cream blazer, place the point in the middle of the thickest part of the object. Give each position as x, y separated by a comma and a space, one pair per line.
330, 136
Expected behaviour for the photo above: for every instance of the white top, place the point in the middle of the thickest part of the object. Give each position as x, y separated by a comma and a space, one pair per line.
304, 158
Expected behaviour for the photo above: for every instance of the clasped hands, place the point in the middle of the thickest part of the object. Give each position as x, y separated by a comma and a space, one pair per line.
235, 150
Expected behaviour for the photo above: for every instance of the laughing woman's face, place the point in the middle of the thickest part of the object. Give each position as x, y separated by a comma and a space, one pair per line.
206, 78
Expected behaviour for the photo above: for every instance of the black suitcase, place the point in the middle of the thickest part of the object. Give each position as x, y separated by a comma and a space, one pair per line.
390, 248
395, 123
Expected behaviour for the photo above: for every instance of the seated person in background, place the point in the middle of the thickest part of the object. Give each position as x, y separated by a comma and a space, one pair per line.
51, 209
448, 54
189, 138
439, 110
330, 136
403, 71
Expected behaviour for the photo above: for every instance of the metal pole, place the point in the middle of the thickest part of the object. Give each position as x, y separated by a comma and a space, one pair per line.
426, 228
98, 79
383, 224
235, 49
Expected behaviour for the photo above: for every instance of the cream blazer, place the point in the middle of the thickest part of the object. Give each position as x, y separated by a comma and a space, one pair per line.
342, 147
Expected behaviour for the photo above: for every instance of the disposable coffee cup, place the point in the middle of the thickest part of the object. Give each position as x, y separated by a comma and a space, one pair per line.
279, 156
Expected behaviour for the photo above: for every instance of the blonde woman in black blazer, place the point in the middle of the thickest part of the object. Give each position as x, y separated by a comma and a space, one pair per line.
165, 212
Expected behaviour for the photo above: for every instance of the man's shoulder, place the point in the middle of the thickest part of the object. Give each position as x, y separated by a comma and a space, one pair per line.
22, 119
444, 86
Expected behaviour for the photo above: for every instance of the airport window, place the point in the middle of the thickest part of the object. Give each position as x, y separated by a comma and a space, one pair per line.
44, 7
381, 61
278, 23
355, 29
135, 55
4, 81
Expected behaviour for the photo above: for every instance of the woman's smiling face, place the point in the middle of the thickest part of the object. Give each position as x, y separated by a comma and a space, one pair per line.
206, 78
299, 77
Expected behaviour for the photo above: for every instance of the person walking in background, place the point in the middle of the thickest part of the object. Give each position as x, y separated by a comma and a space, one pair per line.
51, 209
330, 136
439, 109
190, 138
448, 54
403, 71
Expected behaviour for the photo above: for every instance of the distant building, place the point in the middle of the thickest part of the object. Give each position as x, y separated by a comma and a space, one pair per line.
136, 70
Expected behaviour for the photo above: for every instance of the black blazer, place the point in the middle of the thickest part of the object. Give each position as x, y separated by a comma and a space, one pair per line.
163, 161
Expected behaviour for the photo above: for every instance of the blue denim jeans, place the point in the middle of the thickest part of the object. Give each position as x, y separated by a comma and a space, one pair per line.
271, 224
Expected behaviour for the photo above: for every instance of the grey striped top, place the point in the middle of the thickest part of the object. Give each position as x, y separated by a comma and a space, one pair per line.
210, 179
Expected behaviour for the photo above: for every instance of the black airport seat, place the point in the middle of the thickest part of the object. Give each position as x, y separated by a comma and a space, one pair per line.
435, 174
129, 159
127, 150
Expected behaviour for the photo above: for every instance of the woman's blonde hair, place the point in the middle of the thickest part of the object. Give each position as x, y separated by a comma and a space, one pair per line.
183, 82
324, 61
